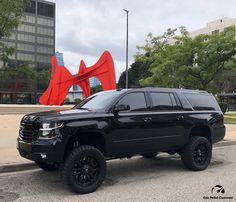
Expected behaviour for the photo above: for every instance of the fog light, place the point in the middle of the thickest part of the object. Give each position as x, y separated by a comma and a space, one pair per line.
43, 156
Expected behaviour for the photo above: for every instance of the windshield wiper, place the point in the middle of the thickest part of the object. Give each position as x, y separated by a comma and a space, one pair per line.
83, 108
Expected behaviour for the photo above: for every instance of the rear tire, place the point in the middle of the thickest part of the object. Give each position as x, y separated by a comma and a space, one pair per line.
84, 169
196, 155
150, 155
48, 167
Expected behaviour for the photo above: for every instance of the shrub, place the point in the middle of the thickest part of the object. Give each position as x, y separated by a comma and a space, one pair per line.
223, 106
77, 100
67, 100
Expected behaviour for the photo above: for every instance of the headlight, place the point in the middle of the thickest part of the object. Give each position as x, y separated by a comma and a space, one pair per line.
47, 128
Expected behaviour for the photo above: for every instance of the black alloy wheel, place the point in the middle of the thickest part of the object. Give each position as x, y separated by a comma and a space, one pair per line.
86, 170
200, 154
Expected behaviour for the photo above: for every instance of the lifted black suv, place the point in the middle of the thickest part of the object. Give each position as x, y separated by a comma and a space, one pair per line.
122, 123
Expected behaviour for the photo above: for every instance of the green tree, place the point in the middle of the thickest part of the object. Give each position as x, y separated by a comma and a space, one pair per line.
96, 89
226, 81
182, 61
10, 15
137, 71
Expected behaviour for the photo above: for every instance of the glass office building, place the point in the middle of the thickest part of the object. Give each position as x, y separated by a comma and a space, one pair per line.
34, 41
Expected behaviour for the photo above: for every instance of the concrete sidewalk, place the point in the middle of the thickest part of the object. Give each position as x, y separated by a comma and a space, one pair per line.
9, 131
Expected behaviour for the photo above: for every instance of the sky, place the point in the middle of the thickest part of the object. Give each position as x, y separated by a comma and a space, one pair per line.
86, 28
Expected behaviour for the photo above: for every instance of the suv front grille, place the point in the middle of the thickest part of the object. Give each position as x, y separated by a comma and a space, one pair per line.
27, 132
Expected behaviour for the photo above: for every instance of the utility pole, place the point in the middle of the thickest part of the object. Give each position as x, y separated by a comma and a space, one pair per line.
127, 29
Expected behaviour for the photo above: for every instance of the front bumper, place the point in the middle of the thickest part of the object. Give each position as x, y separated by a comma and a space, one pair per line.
50, 151
218, 134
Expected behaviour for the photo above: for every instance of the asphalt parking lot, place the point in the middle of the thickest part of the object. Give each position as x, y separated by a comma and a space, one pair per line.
161, 179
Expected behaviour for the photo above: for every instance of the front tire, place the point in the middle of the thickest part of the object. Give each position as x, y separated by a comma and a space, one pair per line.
84, 169
197, 153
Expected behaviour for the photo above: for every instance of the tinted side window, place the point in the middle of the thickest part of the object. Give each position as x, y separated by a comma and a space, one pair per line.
161, 101
202, 101
136, 101
175, 102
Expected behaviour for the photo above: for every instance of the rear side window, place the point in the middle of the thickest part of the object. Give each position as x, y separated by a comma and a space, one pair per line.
202, 101
161, 101
136, 101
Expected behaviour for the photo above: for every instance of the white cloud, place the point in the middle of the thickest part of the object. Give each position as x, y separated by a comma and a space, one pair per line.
84, 29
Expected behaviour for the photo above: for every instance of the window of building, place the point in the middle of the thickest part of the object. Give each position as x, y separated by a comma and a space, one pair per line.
215, 32
161, 101
43, 59
202, 101
25, 57
44, 49
45, 21
7, 98
45, 9
25, 47
76, 88
45, 40
45, 31
136, 101
26, 37
28, 19
31, 8
26, 28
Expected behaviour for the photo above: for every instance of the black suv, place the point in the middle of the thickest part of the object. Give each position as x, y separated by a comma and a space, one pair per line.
122, 123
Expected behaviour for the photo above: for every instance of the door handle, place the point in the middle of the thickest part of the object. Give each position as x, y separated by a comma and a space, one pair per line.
147, 119
180, 117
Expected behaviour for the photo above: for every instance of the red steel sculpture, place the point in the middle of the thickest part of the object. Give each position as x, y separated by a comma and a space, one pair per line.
62, 79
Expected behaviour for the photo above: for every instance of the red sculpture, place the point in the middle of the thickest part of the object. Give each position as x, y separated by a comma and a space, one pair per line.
62, 79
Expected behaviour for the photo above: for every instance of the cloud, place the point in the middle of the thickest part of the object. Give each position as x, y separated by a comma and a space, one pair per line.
84, 29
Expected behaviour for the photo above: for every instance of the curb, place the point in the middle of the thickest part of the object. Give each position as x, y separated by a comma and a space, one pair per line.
15, 167
225, 143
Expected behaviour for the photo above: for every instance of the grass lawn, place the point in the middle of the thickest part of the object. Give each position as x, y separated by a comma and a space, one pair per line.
230, 118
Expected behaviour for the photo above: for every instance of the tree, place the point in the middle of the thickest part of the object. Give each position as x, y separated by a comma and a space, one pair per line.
138, 70
10, 15
226, 82
96, 89
182, 61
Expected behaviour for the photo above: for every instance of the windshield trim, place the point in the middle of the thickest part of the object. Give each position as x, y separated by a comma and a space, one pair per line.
106, 108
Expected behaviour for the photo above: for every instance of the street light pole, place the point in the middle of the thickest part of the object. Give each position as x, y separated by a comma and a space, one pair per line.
127, 29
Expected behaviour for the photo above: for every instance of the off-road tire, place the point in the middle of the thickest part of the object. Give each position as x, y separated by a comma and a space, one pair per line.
191, 155
75, 158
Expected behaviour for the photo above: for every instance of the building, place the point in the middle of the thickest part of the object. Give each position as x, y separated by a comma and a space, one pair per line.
215, 26
75, 91
94, 82
34, 41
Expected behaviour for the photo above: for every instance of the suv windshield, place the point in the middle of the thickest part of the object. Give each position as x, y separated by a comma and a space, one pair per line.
98, 101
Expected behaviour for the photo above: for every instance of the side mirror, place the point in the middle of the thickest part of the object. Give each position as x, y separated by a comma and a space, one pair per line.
120, 107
